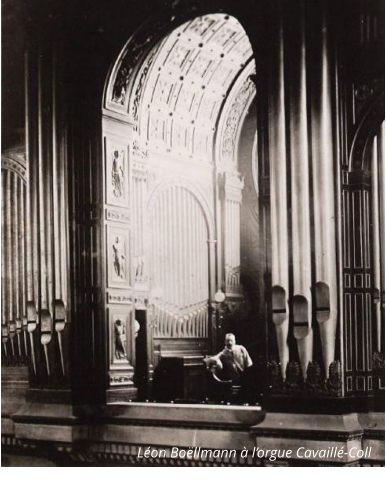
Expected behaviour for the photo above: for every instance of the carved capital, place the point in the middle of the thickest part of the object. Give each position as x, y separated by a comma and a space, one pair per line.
232, 186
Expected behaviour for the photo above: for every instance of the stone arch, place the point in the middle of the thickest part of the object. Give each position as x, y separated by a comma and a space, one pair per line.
189, 75
374, 115
158, 26
172, 181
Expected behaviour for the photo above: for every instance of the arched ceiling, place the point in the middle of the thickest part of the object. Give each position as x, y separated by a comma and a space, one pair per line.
183, 84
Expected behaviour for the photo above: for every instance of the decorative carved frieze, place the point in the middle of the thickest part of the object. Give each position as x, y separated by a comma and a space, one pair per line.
236, 113
121, 379
118, 297
140, 84
15, 162
118, 216
129, 60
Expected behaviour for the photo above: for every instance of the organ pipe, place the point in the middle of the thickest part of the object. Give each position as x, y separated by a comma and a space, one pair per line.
324, 205
279, 208
381, 200
377, 193
300, 195
4, 285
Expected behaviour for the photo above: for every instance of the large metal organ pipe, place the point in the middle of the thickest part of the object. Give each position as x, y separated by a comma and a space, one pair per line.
279, 208
375, 235
179, 265
324, 202
3, 268
300, 194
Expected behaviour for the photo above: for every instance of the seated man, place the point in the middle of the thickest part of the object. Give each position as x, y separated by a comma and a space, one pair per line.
232, 361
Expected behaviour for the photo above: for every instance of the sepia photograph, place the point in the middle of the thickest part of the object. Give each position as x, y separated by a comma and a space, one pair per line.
193, 233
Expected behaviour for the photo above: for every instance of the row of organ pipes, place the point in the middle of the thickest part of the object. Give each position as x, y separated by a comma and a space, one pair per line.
47, 236
13, 272
179, 264
300, 203
35, 234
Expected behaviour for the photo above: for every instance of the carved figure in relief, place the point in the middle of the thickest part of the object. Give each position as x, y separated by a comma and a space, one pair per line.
139, 262
119, 339
119, 91
119, 257
118, 172
119, 95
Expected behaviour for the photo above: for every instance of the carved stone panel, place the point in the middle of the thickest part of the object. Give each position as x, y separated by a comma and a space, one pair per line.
118, 263
117, 173
121, 346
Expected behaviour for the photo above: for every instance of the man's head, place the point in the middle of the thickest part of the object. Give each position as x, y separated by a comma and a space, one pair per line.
230, 340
